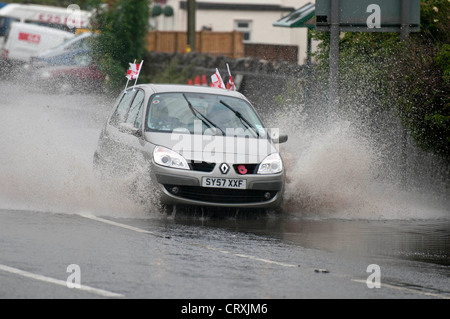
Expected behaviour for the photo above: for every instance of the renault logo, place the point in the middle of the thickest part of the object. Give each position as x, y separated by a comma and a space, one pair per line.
224, 168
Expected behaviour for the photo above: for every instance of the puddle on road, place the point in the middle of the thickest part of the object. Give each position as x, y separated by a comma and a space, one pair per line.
419, 240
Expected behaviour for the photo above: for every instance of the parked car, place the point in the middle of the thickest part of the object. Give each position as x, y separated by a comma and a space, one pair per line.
68, 58
200, 146
74, 71
79, 42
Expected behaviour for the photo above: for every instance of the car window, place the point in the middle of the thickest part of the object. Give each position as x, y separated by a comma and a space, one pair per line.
86, 43
135, 113
8, 29
80, 44
138, 122
122, 108
82, 60
171, 111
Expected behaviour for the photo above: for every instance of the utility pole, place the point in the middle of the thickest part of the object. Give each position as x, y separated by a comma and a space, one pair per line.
404, 34
333, 102
404, 30
191, 25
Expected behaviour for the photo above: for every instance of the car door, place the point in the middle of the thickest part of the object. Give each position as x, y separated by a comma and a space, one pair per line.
125, 132
133, 127
112, 143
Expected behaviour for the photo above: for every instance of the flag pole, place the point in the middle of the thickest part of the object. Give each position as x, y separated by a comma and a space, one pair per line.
125, 91
137, 76
228, 67
229, 74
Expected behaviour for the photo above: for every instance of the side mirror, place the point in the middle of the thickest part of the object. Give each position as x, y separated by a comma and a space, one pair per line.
128, 128
278, 139
281, 139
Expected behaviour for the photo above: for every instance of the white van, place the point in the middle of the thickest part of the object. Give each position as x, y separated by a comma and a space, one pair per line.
25, 40
67, 19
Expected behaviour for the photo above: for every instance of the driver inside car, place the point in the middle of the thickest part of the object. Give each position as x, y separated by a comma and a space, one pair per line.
160, 119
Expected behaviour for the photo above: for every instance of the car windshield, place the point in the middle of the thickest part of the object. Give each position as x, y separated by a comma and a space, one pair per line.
200, 113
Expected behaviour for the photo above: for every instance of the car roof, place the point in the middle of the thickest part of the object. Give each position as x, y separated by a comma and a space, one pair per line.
173, 88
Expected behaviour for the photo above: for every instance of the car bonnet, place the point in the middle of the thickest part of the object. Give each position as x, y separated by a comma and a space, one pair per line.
214, 149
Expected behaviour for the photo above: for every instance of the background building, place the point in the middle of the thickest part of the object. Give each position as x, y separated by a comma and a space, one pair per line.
254, 18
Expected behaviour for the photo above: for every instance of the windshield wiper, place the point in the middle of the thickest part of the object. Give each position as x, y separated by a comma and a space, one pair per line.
203, 118
240, 117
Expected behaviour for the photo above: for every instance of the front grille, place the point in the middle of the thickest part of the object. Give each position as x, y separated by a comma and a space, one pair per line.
250, 168
202, 166
221, 195
209, 167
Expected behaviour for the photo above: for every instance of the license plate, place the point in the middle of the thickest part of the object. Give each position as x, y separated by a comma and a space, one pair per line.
224, 183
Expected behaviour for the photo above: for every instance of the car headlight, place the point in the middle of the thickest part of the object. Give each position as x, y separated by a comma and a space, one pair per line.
165, 157
272, 164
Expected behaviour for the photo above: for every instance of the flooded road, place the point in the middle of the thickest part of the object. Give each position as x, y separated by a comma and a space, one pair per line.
340, 234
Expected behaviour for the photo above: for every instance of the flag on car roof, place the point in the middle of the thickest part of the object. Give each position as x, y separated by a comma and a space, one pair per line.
230, 84
217, 81
133, 71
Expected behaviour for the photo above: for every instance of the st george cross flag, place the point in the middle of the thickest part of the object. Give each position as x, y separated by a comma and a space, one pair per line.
133, 71
231, 84
217, 81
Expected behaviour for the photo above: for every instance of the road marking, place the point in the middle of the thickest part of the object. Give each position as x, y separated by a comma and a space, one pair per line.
406, 289
63, 283
106, 221
267, 261
139, 230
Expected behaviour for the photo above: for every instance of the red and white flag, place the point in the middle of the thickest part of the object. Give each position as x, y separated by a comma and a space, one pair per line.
230, 85
133, 71
217, 81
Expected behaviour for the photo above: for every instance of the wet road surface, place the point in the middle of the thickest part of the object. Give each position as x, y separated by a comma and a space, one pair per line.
185, 257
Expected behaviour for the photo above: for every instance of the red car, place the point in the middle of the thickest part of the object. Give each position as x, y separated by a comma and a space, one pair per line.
81, 75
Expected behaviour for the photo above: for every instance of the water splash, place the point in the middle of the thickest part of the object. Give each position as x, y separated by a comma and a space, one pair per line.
47, 144
337, 170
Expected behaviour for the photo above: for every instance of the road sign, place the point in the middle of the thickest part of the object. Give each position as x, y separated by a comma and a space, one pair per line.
370, 15
300, 18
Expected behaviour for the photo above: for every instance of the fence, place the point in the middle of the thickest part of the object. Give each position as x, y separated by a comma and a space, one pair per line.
229, 44
272, 52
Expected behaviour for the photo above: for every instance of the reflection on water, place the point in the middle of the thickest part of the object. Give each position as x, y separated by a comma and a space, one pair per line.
419, 240
427, 241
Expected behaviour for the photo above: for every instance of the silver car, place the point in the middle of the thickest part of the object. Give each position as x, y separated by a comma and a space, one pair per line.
200, 146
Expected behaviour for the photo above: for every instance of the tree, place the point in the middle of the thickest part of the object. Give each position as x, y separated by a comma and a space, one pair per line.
378, 70
123, 27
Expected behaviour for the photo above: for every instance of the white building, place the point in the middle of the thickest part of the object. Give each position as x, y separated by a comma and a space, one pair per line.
253, 17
